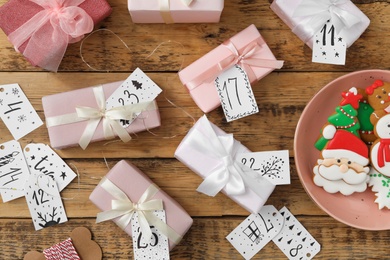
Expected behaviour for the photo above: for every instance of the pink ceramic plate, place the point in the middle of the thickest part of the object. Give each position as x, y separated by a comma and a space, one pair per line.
359, 209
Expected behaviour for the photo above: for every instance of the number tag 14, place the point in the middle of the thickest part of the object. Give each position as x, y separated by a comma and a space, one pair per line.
328, 46
235, 93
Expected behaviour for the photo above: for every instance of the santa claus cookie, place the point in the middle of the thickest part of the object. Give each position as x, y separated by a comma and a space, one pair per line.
380, 184
344, 165
380, 150
378, 96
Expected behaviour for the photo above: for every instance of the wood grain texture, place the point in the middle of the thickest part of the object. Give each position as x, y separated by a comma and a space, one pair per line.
161, 51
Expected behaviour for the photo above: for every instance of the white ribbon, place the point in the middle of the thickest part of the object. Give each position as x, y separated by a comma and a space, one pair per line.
229, 173
318, 12
109, 117
124, 209
165, 9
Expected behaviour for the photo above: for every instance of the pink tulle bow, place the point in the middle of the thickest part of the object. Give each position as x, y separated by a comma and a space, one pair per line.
51, 30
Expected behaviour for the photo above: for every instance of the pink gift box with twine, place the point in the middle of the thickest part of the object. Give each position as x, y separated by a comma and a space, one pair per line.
175, 11
130, 180
355, 21
211, 153
27, 23
247, 49
68, 132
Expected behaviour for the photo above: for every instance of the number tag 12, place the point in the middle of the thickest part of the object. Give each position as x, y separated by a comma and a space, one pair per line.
235, 93
328, 46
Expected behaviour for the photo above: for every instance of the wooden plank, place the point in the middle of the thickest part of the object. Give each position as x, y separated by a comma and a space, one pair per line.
175, 179
281, 98
104, 51
205, 239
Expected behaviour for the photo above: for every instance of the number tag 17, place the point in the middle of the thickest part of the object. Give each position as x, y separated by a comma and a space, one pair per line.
235, 93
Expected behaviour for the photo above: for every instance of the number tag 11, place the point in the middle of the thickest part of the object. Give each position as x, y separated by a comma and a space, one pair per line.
235, 93
328, 46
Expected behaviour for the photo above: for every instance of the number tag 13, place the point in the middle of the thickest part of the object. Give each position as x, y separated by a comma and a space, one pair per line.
235, 93
328, 46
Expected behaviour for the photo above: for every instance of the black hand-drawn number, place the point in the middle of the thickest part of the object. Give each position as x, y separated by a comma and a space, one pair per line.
41, 199
267, 227
129, 95
252, 162
294, 251
324, 33
225, 87
153, 242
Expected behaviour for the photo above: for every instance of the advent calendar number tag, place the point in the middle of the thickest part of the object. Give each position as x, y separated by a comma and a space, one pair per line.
328, 46
156, 248
17, 112
137, 88
235, 93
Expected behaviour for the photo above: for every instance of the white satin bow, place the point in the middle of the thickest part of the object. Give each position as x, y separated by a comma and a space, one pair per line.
165, 9
318, 12
229, 173
124, 209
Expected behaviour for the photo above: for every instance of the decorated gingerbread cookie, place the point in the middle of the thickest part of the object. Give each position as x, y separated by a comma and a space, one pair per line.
380, 184
344, 165
378, 96
78, 246
345, 117
364, 112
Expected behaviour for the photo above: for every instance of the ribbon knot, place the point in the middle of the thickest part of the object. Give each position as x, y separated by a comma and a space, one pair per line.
317, 13
165, 9
51, 30
124, 209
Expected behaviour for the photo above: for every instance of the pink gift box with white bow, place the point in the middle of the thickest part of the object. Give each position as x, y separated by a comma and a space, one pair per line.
175, 11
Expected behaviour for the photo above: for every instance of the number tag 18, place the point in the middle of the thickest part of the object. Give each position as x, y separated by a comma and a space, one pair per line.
235, 93
328, 46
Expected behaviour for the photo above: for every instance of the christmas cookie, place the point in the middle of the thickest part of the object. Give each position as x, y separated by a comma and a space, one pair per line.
344, 165
380, 184
380, 150
366, 131
345, 117
378, 98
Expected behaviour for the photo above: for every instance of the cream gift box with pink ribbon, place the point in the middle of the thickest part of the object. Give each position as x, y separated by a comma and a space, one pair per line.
79, 117
212, 154
126, 183
175, 11
247, 49
306, 17
42, 30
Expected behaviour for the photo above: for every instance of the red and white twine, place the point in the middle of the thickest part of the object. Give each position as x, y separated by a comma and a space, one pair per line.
62, 251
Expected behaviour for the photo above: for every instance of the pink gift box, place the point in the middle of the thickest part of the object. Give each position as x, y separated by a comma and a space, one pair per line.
199, 11
285, 10
133, 182
62, 136
15, 13
205, 94
202, 164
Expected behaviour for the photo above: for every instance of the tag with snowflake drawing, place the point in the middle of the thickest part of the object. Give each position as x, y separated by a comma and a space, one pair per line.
380, 184
328, 46
17, 112
137, 88
273, 165
41, 159
44, 201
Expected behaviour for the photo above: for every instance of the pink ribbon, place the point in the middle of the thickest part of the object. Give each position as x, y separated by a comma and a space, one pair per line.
245, 59
51, 30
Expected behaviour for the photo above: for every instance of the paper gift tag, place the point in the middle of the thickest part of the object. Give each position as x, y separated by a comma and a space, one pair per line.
17, 112
273, 165
236, 95
44, 201
137, 88
294, 240
328, 46
41, 159
256, 231
157, 248
13, 171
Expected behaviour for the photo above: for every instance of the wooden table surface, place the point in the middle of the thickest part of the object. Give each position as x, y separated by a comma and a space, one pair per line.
281, 97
